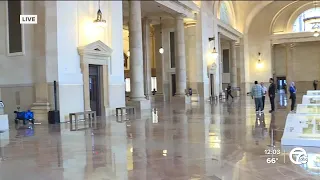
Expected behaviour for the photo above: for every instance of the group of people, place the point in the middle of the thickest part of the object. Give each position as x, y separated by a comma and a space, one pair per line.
259, 93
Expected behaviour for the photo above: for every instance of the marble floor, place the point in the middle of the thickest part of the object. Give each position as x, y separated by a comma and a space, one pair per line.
219, 141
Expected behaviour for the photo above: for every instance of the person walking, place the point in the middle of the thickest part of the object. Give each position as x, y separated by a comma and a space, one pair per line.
257, 93
293, 96
272, 94
229, 92
264, 88
315, 84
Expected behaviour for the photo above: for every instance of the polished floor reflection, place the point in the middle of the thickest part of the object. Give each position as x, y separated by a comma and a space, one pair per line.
218, 141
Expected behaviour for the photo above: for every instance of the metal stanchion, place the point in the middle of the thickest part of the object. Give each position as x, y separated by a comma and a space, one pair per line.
272, 141
1, 151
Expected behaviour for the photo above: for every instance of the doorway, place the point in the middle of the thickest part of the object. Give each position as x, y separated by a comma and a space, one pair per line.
211, 85
94, 88
173, 84
281, 83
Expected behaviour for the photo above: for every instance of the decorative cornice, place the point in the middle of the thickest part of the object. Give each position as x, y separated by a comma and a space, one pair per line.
190, 24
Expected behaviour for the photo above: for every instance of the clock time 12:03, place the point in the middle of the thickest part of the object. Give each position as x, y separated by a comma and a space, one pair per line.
272, 151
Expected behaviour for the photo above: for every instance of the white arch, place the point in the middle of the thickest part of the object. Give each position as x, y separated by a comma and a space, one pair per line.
253, 14
275, 18
296, 14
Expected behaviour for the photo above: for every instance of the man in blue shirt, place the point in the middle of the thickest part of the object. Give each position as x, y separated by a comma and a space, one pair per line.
257, 93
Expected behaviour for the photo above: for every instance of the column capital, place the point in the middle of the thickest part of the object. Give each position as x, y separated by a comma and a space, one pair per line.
146, 20
180, 16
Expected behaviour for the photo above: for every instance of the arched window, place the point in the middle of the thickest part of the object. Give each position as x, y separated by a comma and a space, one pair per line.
300, 25
224, 14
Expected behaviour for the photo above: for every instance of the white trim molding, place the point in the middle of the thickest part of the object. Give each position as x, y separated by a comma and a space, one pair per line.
293, 38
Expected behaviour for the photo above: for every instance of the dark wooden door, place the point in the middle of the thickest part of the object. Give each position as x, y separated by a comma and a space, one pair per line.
94, 87
173, 84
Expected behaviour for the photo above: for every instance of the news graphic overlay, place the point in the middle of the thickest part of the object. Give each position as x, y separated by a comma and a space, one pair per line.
28, 19
298, 156
272, 155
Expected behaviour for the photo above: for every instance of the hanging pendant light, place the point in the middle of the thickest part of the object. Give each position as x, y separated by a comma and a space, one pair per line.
161, 50
215, 53
99, 21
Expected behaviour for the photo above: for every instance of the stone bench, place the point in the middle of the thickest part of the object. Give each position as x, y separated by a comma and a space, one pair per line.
87, 115
130, 108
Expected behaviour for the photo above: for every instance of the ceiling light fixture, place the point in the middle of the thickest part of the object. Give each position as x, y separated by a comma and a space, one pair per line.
99, 21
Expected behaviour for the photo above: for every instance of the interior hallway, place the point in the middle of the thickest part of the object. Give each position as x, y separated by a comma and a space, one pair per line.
215, 141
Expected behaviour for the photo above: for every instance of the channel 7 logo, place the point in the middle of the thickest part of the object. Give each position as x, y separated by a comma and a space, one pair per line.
298, 156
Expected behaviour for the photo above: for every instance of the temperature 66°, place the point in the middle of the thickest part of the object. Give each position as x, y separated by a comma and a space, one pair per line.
272, 160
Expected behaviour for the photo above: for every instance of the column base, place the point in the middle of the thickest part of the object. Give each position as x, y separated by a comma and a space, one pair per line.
40, 110
181, 99
159, 97
140, 105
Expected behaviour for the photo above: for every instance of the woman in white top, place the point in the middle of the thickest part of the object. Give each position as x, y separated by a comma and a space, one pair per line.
265, 90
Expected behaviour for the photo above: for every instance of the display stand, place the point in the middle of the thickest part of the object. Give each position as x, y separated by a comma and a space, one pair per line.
313, 93
308, 99
302, 130
4, 122
308, 109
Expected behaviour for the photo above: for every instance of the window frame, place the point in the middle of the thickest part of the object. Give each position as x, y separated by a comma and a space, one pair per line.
7, 31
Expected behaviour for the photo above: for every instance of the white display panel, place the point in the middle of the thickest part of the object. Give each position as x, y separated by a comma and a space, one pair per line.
313, 93
308, 108
4, 122
307, 99
302, 130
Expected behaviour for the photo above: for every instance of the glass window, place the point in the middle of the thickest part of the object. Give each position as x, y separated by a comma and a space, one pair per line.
224, 14
127, 84
300, 26
14, 27
172, 50
153, 83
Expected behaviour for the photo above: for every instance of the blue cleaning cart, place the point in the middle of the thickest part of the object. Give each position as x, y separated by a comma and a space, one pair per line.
25, 116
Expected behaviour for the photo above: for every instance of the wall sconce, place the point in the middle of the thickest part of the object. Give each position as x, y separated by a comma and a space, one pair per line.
161, 50
214, 52
128, 53
316, 34
259, 63
99, 21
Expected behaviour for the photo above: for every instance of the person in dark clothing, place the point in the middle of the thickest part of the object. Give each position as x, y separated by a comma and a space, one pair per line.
229, 92
272, 93
293, 97
190, 92
285, 88
315, 84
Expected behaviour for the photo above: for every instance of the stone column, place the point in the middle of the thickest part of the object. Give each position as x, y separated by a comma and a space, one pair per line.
86, 88
136, 54
220, 62
233, 64
181, 73
159, 63
146, 56
41, 105
290, 76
